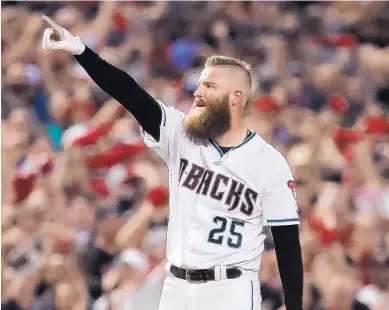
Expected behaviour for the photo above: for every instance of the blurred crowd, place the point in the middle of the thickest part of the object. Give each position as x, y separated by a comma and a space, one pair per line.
84, 202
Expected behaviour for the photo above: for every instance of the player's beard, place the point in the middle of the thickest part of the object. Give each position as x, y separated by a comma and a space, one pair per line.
211, 123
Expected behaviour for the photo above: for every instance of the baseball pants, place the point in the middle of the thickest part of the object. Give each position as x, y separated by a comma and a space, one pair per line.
232, 294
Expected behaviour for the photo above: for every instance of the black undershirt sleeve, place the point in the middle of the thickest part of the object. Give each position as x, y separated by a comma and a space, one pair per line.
122, 87
290, 264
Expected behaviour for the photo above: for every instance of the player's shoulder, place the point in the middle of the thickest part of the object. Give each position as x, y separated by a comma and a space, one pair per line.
170, 114
172, 108
267, 150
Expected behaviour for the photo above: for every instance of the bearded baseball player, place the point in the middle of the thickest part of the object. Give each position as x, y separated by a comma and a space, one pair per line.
226, 184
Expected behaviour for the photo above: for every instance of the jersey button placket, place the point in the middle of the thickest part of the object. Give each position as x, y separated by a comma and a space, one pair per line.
192, 237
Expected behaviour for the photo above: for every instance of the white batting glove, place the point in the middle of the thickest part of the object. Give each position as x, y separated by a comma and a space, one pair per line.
66, 42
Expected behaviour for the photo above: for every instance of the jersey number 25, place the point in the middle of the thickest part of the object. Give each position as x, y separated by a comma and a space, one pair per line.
217, 235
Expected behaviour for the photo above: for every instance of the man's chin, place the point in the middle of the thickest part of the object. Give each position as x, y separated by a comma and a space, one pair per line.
205, 123
196, 134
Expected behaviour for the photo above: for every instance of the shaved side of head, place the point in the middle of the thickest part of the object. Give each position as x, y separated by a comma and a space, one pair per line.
240, 72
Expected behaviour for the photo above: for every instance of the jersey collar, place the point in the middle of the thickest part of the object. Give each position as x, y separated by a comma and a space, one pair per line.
246, 140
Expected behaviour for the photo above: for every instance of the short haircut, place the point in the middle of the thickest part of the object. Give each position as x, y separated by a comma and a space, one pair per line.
218, 61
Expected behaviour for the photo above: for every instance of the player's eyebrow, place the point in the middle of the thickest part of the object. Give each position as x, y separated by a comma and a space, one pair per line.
205, 83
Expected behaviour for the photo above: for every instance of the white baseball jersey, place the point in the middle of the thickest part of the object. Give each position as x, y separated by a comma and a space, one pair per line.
219, 204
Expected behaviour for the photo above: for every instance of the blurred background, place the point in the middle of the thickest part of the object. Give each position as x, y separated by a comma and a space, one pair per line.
83, 209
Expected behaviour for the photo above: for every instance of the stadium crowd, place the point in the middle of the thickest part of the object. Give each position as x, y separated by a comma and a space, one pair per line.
84, 202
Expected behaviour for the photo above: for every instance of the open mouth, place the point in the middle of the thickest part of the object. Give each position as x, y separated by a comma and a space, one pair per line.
199, 104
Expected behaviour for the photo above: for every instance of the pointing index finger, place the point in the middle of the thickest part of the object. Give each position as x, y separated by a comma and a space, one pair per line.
53, 24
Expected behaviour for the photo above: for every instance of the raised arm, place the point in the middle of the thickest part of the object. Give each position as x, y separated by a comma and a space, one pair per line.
115, 82
122, 87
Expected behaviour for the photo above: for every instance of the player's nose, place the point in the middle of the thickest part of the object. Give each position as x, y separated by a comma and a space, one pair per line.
198, 93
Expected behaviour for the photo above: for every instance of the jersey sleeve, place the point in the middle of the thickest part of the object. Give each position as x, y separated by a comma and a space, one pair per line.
166, 147
279, 198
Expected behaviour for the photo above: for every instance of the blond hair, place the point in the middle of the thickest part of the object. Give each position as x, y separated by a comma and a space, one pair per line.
218, 61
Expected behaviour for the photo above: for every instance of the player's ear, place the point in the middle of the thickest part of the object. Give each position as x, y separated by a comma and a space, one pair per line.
236, 97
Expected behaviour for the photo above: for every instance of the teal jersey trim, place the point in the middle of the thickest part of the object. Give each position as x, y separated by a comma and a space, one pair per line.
216, 147
252, 293
248, 138
163, 121
283, 220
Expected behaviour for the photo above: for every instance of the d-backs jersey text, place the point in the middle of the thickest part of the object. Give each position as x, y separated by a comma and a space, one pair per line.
219, 204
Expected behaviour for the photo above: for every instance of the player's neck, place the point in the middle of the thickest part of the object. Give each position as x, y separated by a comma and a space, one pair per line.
233, 137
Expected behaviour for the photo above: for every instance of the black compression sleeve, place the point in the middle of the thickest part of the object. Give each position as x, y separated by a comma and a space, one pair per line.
290, 264
122, 87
